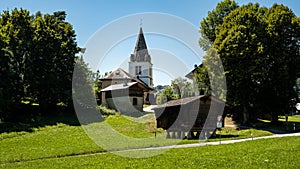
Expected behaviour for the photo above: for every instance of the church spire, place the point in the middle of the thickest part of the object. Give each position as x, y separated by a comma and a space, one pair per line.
140, 65
140, 51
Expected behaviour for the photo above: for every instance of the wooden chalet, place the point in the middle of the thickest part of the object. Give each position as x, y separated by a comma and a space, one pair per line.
188, 117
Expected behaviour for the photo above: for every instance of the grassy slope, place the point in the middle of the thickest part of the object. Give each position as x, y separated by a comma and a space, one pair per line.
51, 141
265, 153
63, 140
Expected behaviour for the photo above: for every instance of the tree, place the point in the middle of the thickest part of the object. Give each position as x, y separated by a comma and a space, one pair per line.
240, 45
98, 87
15, 42
257, 46
201, 80
297, 88
182, 87
83, 83
214, 19
283, 58
54, 58
166, 95
37, 59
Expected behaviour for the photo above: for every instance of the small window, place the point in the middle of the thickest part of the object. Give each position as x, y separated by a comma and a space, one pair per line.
138, 70
134, 101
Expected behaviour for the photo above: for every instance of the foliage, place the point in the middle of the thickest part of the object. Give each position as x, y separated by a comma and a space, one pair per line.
166, 95
53, 56
98, 87
210, 77
202, 80
83, 81
37, 60
214, 19
16, 36
259, 49
182, 87
106, 111
240, 44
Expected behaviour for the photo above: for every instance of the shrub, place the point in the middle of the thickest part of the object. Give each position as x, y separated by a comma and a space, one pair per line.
106, 111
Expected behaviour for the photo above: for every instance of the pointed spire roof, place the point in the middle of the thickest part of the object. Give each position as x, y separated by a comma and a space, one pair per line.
140, 42
140, 51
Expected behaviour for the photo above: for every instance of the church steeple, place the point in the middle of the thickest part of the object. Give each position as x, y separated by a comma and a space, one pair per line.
140, 51
140, 65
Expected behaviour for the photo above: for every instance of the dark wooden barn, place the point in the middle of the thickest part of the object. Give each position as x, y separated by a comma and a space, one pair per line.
187, 117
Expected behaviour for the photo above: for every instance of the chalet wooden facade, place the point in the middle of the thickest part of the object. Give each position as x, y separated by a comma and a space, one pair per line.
187, 117
125, 97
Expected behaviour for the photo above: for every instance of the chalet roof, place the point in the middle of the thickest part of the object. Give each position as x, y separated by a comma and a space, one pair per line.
179, 102
118, 86
118, 74
122, 74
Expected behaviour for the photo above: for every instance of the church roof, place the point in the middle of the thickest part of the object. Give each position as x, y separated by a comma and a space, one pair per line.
140, 51
140, 43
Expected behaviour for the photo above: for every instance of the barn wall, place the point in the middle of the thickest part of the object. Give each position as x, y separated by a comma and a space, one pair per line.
124, 104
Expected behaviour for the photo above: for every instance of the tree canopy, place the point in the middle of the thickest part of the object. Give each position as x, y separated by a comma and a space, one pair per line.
259, 49
214, 19
37, 59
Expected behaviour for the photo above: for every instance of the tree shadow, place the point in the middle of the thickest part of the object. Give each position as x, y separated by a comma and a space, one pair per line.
281, 127
27, 117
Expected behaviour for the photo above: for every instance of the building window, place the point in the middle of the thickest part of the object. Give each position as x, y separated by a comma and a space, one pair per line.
138, 70
134, 101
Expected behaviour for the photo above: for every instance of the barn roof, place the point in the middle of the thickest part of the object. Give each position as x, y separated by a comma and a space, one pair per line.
118, 74
178, 102
118, 86
122, 86
122, 74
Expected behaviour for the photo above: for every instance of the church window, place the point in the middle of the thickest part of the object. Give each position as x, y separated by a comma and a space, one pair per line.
138, 70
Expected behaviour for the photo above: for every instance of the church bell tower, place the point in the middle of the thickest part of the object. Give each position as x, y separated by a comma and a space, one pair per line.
140, 65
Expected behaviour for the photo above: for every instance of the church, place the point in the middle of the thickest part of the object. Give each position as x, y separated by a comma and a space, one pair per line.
127, 92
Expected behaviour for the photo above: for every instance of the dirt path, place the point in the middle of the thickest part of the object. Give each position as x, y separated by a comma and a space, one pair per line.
212, 143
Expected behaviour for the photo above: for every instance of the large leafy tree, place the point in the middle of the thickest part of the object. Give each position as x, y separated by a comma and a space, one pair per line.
259, 48
282, 59
16, 34
52, 61
37, 58
240, 44
214, 19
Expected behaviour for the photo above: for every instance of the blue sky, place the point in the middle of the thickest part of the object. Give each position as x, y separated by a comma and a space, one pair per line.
88, 17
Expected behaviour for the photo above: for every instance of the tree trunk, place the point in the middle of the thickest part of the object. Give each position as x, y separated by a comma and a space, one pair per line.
274, 118
245, 116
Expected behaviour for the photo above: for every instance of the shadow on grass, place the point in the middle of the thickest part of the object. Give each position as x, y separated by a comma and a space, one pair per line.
280, 127
28, 117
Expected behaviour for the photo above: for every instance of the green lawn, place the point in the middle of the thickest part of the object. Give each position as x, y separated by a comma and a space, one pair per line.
281, 126
264, 153
61, 140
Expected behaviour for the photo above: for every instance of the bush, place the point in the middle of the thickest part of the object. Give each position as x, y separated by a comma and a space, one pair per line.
106, 111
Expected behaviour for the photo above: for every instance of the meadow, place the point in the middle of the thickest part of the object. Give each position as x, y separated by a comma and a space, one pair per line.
69, 146
264, 153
